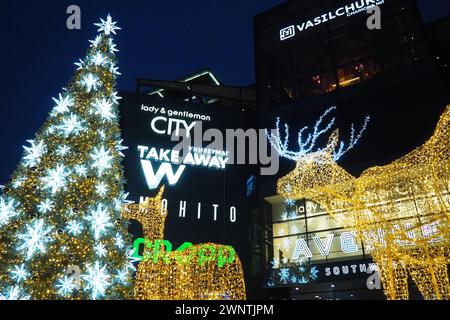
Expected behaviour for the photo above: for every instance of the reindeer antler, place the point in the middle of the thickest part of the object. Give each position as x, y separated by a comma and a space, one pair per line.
353, 141
307, 146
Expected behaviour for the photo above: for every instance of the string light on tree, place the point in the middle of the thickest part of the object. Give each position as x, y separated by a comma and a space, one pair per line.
58, 210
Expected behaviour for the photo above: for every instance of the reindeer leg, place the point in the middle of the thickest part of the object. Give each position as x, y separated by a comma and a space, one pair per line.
393, 278
432, 279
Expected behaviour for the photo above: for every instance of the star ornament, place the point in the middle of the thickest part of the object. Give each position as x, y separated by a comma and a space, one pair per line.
97, 280
35, 238
90, 82
7, 210
65, 286
108, 26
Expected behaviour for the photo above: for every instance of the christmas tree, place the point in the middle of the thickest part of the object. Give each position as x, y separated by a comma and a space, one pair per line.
61, 232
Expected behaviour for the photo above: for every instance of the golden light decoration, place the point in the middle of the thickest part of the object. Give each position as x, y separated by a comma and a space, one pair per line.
400, 210
181, 275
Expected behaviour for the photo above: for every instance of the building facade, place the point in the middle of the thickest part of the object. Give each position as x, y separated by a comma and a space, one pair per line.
312, 55
164, 125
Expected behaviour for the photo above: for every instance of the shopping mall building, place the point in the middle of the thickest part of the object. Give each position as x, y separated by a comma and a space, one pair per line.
309, 56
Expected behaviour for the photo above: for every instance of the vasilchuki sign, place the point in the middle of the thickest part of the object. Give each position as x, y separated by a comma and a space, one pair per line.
347, 10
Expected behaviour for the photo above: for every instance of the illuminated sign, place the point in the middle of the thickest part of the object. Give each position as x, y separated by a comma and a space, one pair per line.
171, 163
348, 242
205, 252
304, 230
196, 210
344, 270
348, 10
171, 158
205, 192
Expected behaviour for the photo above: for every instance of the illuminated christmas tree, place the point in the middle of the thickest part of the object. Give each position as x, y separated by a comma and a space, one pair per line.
61, 231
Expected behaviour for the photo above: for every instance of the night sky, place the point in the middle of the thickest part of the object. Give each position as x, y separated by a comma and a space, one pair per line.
158, 40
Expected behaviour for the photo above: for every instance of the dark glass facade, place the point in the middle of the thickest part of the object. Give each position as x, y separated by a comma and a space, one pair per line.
335, 54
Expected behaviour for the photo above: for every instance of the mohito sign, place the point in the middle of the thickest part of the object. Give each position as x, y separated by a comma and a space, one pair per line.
348, 10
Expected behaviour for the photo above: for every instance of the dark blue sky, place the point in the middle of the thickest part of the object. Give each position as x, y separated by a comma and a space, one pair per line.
159, 39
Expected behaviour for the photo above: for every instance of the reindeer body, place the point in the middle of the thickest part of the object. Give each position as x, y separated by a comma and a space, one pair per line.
401, 209
184, 275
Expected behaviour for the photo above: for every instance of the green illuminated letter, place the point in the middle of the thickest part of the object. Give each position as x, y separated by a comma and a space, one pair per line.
221, 260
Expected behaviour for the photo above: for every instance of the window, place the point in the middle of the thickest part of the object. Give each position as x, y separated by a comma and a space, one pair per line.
303, 220
250, 186
357, 72
317, 83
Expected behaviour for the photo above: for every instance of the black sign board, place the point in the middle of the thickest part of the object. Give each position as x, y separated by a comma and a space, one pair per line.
205, 196
352, 269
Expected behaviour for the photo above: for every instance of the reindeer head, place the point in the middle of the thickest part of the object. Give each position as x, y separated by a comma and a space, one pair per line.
150, 213
316, 167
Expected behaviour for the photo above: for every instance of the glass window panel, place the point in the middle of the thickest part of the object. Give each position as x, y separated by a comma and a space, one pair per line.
392, 61
317, 83
282, 211
335, 251
357, 72
283, 248
313, 209
323, 222
289, 228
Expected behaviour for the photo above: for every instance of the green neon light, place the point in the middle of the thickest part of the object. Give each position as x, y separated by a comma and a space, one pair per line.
206, 252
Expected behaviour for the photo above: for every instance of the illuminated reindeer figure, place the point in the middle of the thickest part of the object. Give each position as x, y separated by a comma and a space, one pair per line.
401, 210
191, 274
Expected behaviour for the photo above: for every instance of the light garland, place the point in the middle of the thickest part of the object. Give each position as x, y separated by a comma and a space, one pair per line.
401, 210
170, 277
